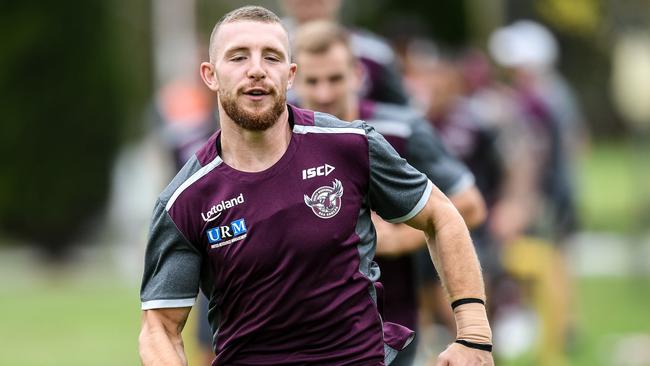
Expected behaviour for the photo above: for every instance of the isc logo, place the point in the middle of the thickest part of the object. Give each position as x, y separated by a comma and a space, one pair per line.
323, 170
232, 231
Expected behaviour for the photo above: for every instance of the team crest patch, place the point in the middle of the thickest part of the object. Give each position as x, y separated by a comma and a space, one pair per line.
325, 202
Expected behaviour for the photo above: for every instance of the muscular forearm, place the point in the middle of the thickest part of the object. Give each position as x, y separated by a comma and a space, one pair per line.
156, 348
452, 251
160, 344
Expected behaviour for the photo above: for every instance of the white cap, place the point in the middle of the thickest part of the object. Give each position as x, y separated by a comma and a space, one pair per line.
523, 43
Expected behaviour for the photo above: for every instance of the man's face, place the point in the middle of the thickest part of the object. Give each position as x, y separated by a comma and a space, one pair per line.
252, 72
328, 82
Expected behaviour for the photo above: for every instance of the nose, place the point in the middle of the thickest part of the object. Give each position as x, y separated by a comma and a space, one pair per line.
256, 70
323, 93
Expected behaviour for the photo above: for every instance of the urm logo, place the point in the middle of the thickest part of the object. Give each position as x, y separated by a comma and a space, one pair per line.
229, 233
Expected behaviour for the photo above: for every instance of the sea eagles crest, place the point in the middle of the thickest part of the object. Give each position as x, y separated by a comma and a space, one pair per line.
325, 202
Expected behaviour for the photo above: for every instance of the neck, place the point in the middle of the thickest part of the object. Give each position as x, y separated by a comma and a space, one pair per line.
253, 151
353, 113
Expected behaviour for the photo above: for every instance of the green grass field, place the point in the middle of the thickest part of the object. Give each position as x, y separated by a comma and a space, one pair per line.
69, 324
609, 308
613, 185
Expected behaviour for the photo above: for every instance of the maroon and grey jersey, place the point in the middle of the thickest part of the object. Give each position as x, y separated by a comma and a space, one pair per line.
285, 255
412, 136
415, 140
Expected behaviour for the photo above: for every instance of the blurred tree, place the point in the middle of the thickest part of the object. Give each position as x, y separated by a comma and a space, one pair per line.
210, 11
62, 116
444, 20
576, 16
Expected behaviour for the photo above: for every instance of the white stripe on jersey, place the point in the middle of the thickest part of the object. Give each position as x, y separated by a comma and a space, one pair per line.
163, 304
315, 129
193, 178
390, 128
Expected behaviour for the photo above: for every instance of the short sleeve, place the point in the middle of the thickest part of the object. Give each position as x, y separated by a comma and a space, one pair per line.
397, 191
426, 152
171, 266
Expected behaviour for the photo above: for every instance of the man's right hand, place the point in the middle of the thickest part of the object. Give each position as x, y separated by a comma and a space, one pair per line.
459, 355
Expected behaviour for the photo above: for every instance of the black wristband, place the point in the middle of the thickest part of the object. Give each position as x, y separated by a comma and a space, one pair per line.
469, 300
482, 347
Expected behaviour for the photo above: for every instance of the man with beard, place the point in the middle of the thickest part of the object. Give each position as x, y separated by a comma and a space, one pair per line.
271, 218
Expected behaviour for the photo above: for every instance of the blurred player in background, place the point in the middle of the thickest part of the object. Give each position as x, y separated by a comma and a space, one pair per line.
183, 112
435, 79
329, 80
528, 52
381, 80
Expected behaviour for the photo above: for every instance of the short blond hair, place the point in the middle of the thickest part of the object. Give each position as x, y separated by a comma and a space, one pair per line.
245, 13
317, 37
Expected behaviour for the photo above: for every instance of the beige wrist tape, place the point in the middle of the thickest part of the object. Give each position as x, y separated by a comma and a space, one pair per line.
472, 323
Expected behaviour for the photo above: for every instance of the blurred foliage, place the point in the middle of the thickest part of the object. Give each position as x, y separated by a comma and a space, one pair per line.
591, 84
210, 11
444, 21
130, 32
63, 112
575, 16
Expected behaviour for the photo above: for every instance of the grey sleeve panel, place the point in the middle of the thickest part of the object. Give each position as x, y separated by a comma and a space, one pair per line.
322, 119
396, 189
171, 267
426, 152
191, 166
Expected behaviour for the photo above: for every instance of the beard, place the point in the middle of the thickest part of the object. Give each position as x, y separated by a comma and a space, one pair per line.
258, 120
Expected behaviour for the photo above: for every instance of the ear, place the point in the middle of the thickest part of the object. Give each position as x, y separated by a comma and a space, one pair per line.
292, 75
208, 75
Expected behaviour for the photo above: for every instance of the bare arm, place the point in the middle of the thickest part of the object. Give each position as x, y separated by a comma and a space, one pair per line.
453, 254
160, 341
450, 246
